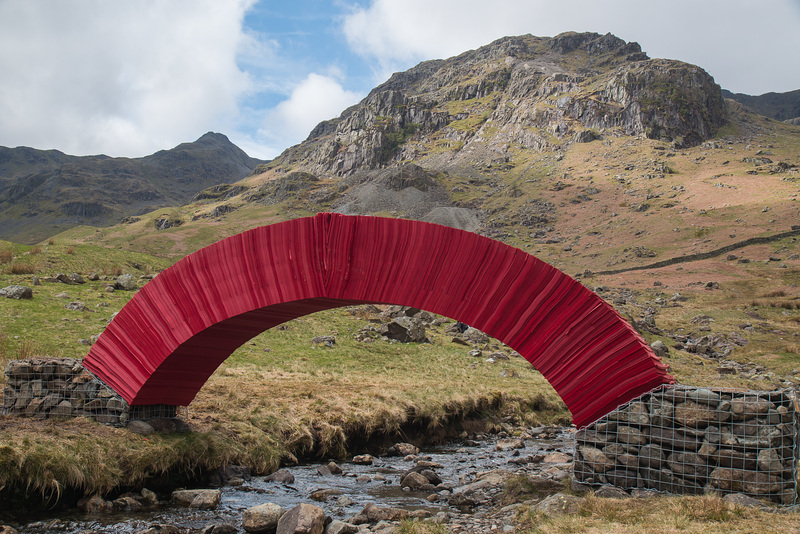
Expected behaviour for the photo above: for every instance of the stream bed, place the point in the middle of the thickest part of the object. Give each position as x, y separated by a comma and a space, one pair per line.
457, 464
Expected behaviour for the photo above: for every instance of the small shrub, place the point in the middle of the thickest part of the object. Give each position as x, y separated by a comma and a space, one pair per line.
21, 268
70, 250
51, 241
28, 349
36, 250
6, 256
114, 270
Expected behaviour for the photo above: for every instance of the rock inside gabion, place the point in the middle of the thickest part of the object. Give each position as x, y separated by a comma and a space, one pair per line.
696, 440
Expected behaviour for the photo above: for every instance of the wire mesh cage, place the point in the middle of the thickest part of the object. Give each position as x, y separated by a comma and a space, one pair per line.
689, 440
44, 388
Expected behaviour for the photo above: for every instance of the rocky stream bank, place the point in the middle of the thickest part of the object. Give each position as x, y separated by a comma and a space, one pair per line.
475, 485
461, 485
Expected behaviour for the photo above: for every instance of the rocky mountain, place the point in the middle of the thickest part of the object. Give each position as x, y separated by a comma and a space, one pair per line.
780, 106
425, 143
44, 192
515, 94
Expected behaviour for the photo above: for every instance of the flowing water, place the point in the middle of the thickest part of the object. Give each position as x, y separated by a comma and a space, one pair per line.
379, 483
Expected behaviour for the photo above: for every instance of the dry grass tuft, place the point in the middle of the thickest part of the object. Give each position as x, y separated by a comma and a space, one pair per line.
22, 268
662, 514
6, 255
415, 526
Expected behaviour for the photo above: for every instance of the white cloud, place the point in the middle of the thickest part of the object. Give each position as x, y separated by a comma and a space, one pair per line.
318, 97
123, 78
744, 45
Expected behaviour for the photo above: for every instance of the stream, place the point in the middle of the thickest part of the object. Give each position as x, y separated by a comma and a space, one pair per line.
457, 463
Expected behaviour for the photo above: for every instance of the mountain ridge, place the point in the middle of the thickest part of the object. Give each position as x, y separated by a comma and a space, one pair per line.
43, 192
779, 106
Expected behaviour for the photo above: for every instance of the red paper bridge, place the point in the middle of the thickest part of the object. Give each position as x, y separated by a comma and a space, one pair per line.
168, 340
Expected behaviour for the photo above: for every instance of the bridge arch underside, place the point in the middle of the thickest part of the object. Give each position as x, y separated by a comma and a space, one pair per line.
168, 340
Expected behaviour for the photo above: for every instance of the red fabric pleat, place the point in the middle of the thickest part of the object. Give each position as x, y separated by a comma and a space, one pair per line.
166, 342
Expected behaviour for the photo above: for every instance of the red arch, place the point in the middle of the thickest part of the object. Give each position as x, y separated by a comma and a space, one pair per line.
168, 340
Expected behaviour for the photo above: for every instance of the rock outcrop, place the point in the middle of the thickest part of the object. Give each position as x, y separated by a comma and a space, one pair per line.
518, 92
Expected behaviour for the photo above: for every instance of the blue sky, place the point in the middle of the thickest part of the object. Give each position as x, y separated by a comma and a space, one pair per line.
128, 78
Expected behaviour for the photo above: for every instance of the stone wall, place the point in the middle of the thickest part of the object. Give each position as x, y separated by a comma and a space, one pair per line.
696, 440
61, 387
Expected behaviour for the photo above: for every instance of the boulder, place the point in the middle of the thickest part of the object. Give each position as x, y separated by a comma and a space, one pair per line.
324, 494
405, 329
743, 500
559, 504
432, 477
340, 527
402, 449
557, 458
201, 499
126, 282
475, 336
140, 427
281, 475
126, 504
262, 518
302, 519
17, 292
373, 514
414, 481
149, 498
659, 348
509, 444
334, 468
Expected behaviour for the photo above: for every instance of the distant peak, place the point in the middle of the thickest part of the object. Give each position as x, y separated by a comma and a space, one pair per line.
213, 137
